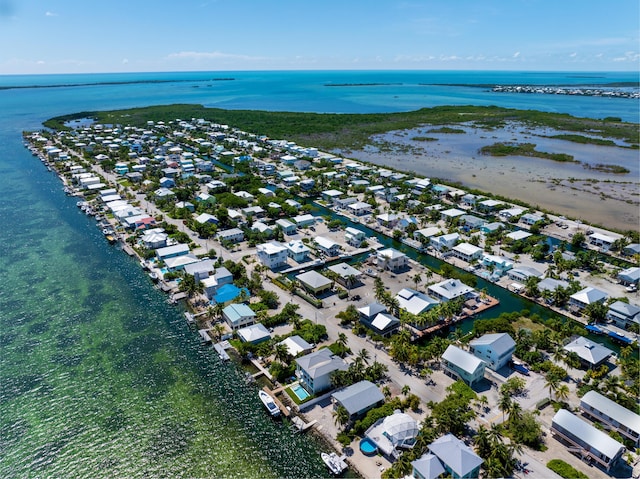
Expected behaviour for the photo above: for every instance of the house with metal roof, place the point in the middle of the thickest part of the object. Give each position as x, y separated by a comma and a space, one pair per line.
273, 255
449, 289
415, 302
587, 296
298, 251
521, 273
467, 252
611, 415
314, 370
623, 314
629, 276
462, 365
591, 354
391, 259
287, 226
327, 246
232, 235
427, 467
347, 274
585, 440
457, 458
358, 398
238, 315
314, 282
296, 345
354, 237
254, 334
444, 242
494, 349
172, 251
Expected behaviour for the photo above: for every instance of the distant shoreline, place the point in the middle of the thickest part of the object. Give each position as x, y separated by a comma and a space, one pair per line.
125, 82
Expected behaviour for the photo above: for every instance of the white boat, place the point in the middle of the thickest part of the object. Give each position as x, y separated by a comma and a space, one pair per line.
269, 403
335, 463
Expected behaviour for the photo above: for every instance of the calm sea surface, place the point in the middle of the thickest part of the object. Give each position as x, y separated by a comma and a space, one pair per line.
99, 376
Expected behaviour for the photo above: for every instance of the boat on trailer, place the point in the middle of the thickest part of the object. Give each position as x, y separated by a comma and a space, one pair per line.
335, 463
269, 403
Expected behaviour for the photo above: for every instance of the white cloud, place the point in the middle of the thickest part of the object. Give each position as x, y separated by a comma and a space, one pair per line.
628, 57
125, 61
573, 55
50, 14
197, 56
516, 54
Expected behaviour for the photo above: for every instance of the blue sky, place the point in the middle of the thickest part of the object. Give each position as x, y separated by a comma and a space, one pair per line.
69, 36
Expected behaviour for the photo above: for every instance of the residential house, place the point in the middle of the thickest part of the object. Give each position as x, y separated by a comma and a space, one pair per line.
375, 317
154, 238
591, 354
211, 284
498, 264
358, 398
591, 443
330, 196
467, 252
428, 466
327, 246
304, 220
449, 289
611, 415
392, 260
287, 227
201, 269
360, 208
451, 214
354, 237
298, 251
509, 213
488, 206
531, 219
521, 273
444, 242
238, 316
254, 334
470, 222
424, 235
272, 255
391, 433
296, 345
462, 365
585, 297
415, 302
458, 459
602, 241
343, 203
262, 228
494, 349
348, 276
314, 370
314, 282
171, 251
206, 218
177, 263
233, 235
388, 220
187, 205
489, 228
623, 314
518, 235
629, 276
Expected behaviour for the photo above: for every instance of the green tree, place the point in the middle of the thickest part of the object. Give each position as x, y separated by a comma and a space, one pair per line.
340, 416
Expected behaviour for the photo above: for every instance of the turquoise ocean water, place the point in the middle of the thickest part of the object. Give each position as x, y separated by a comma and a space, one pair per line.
99, 376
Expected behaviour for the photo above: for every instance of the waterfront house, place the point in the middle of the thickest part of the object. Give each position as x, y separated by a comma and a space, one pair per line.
388, 220
521, 273
330, 196
509, 213
494, 349
392, 260
602, 241
551, 284
201, 269
171, 251
296, 345
327, 246
375, 317
449, 289
424, 235
611, 415
272, 255
304, 220
398, 431
287, 227
629, 276
254, 334
531, 219
298, 251
518, 235
360, 208
458, 459
233, 235
623, 314
354, 237
348, 276
591, 354
467, 252
428, 466
584, 439
211, 284
631, 249
177, 263
342, 203
499, 264
358, 398
585, 297
314, 282
444, 242
415, 302
489, 228
238, 316
488, 206
314, 370
470, 222
154, 238
462, 365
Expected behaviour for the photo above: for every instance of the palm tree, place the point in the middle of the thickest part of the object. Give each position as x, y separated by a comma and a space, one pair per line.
515, 411
504, 404
386, 392
562, 392
379, 291
417, 279
552, 382
406, 389
481, 441
349, 281
281, 353
364, 355
342, 341
340, 416
217, 331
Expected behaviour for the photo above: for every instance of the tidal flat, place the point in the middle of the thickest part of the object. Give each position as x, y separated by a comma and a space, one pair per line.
573, 189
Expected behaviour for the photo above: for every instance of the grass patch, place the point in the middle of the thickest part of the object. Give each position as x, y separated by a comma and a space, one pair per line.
584, 139
446, 129
423, 138
616, 169
524, 149
565, 470
526, 323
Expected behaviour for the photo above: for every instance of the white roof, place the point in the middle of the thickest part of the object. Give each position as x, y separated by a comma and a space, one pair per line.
383, 321
344, 270
391, 253
453, 212
270, 248
518, 235
613, 410
175, 249
589, 295
325, 242
462, 359
313, 279
450, 288
358, 396
296, 345
588, 434
500, 342
253, 333
589, 351
414, 302
467, 249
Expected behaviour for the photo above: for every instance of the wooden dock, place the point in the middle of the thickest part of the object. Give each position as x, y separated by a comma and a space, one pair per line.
283, 409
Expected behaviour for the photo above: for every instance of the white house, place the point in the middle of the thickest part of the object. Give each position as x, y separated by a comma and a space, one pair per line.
444, 242
586, 296
273, 255
449, 289
233, 235
494, 349
602, 241
467, 252
171, 251
354, 237
392, 260
296, 345
286, 226
314, 370
297, 251
463, 365
327, 246
415, 302
360, 208
611, 415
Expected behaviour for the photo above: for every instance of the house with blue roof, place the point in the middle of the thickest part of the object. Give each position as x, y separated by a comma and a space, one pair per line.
238, 316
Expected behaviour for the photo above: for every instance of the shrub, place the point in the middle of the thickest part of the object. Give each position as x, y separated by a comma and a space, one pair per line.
565, 470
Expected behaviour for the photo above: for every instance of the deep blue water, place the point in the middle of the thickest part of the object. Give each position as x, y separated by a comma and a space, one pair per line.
100, 376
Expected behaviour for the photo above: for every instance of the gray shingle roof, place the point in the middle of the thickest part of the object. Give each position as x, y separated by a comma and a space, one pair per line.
589, 351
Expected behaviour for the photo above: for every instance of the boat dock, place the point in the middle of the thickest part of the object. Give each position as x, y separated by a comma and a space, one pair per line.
221, 348
302, 426
283, 409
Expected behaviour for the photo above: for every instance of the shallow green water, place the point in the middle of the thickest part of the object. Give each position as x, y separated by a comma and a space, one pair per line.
100, 376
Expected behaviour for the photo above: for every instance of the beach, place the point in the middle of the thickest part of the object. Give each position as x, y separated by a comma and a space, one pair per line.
570, 189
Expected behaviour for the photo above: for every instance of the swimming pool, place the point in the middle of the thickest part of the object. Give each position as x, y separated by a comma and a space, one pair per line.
300, 392
368, 447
